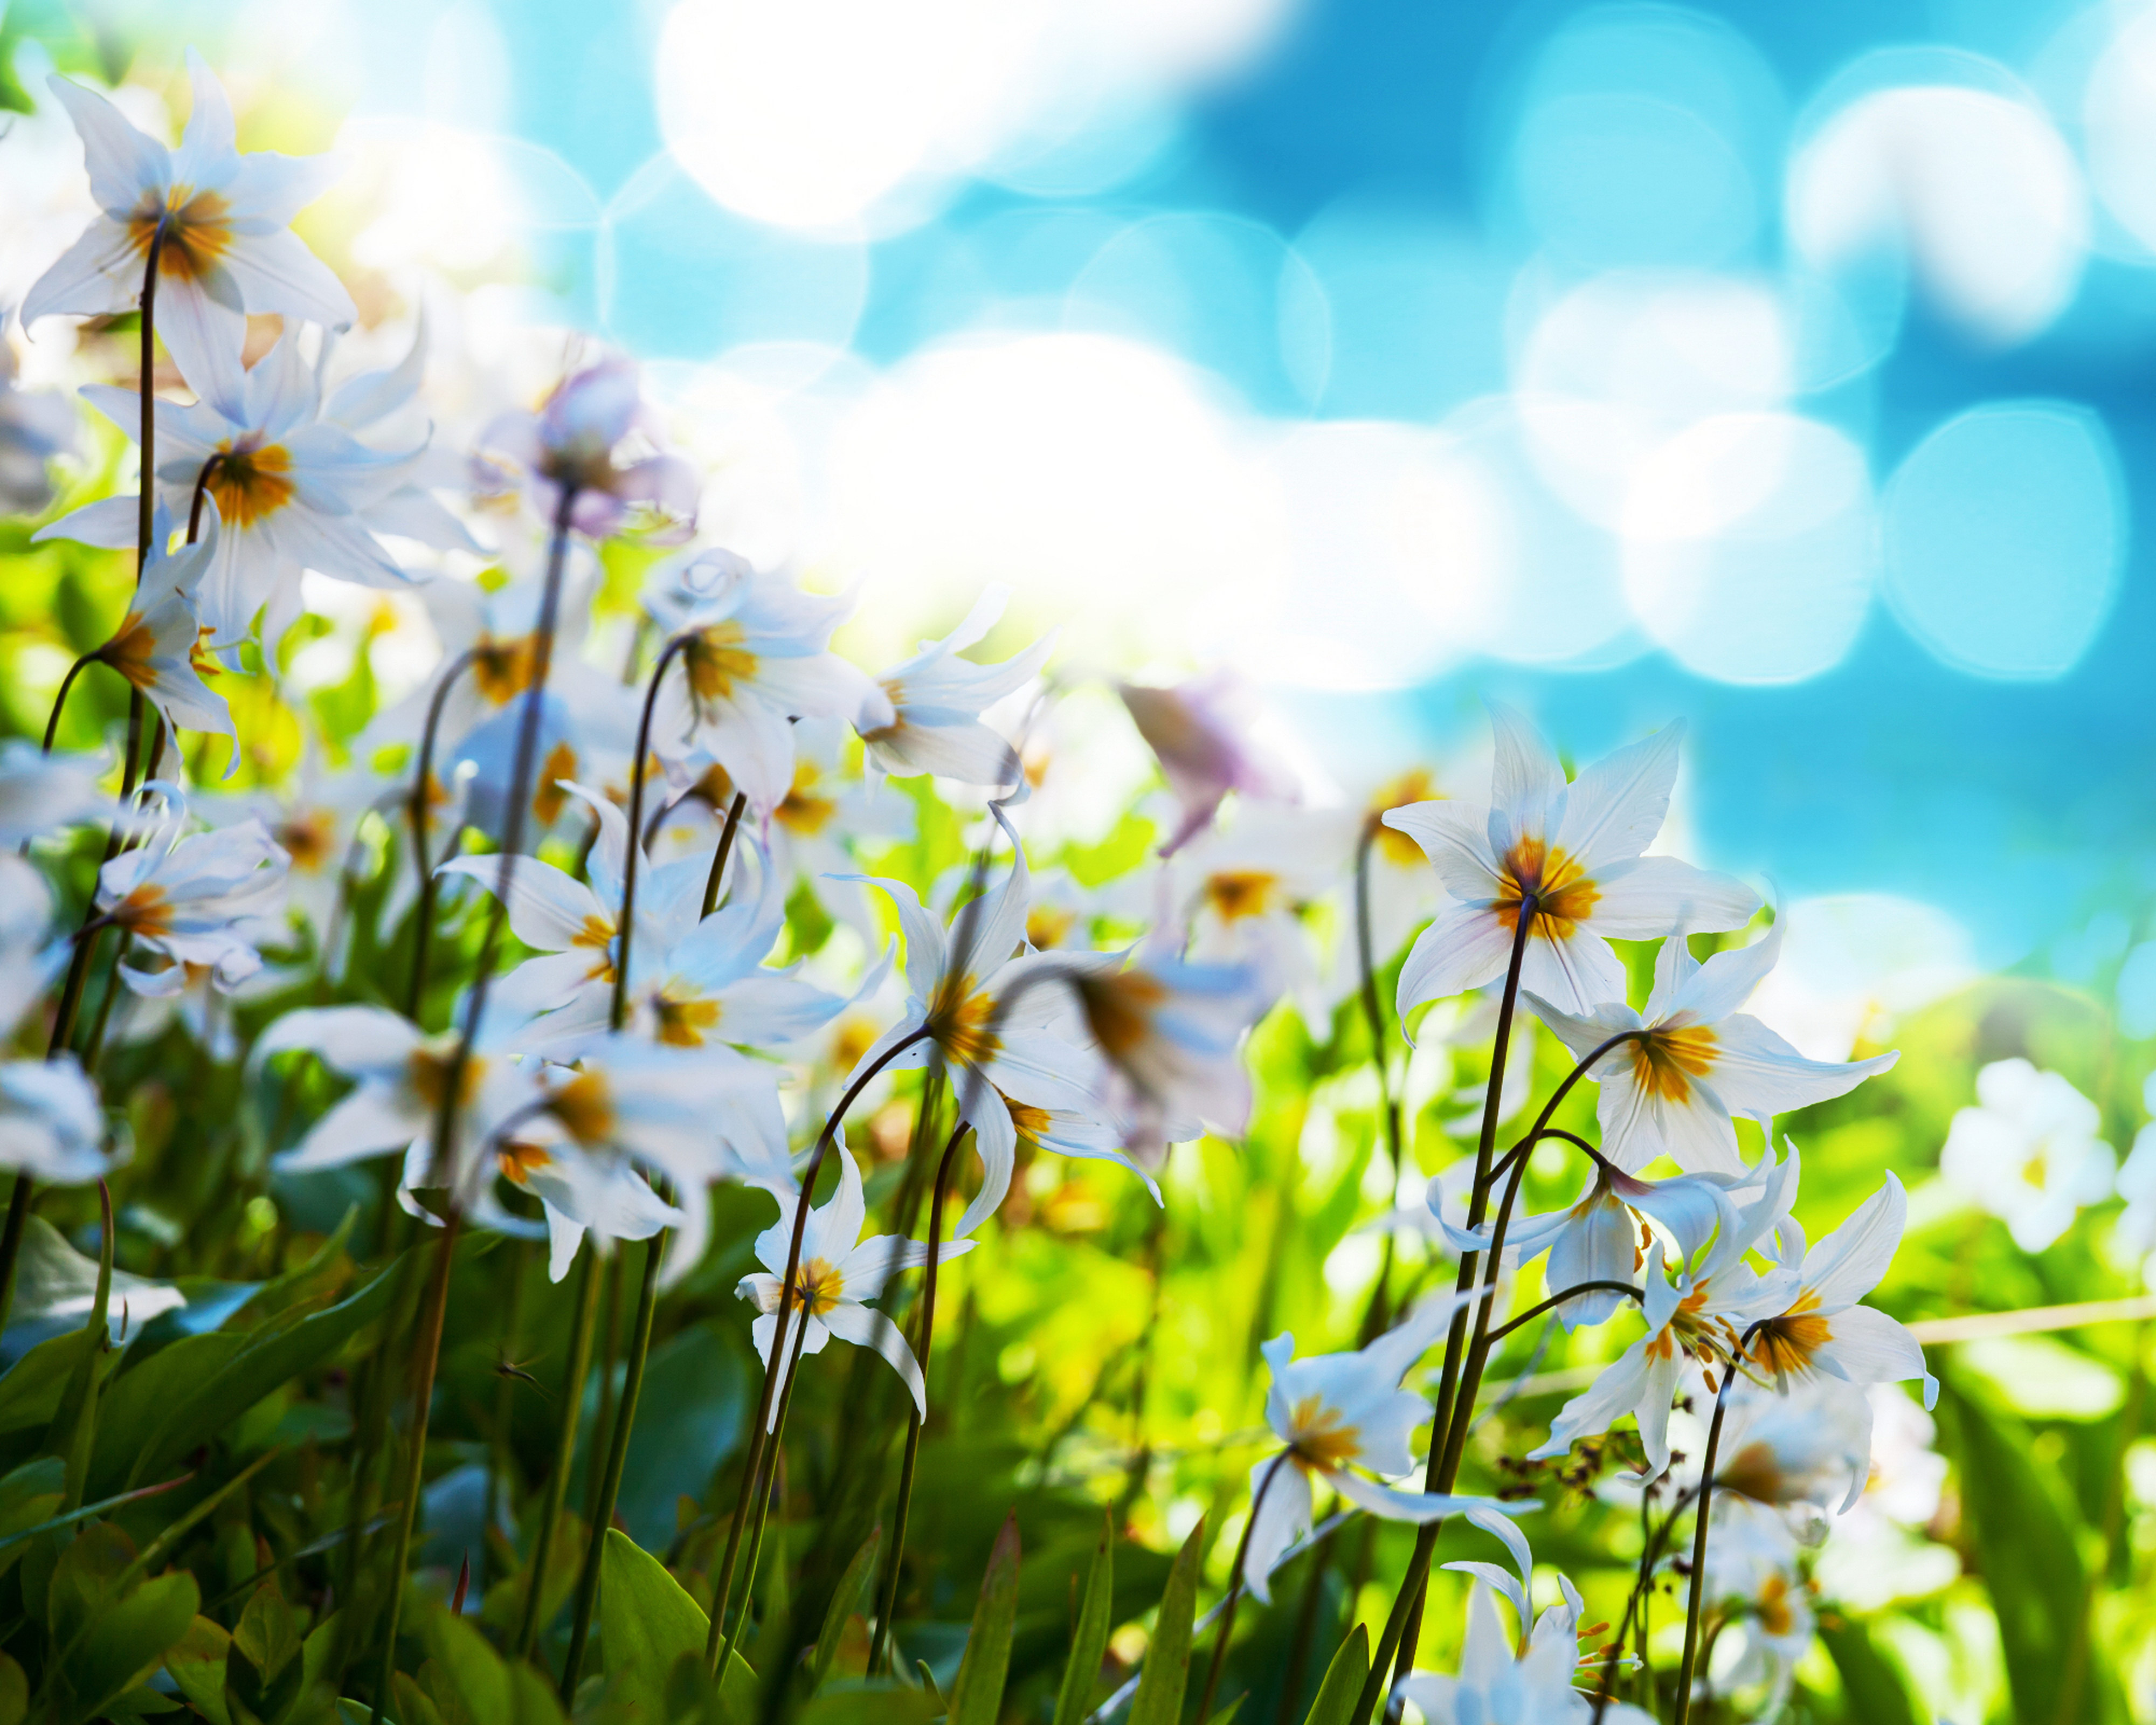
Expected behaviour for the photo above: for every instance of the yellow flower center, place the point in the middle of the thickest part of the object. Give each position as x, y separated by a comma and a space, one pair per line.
520, 1160
1028, 1121
959, 1021
717, 661
585, 1106
819, 1286
1048, 925
197, 231
1565, 894
1786, 1346
502, 669
427, 1070
1776, 1615
250, 484
1234, 893
1754, 1472
145, 911
309, 837
130, 649
547, 801
1665, 1062
685, 1022
1119, 1008
1323, 1440
1416, 785
802, 810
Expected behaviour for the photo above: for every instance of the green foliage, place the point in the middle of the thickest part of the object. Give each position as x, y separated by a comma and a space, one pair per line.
648, 1626
1343, 1681
1089, 1635
976, 1696
1159, 1699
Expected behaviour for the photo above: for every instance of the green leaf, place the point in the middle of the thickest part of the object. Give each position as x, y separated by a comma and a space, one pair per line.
197, 1665
56, 1289
1159, 1699
1872, 1691
126, 1642
844, 1601
646, 1622
27, 1497
466, 1667
880, 1703
1090, 1640
15, 1692
264, 1670
157, 1435
978, 1694
74, 1429
2027, 1551
1343, 1686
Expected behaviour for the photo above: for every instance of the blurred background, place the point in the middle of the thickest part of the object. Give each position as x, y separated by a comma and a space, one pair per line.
1778, 368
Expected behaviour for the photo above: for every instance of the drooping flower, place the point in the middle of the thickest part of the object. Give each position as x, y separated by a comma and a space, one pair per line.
758, 658
928, 720
220, 221
1200, 733
293, 492
40, 794
155, 646
51, 1127
196, 899
2028, 1153
594, 437
1337, 1413
1697, 1061
1574, 849
838, 1274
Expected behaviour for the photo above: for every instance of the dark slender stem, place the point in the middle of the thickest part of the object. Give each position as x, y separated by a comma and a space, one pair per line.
774, 1452
722, 1594
565, 1454
1651, 1551
725, 850
625, 924
59, 701
11, 1241
202, 489
503, 1460
1388, 1106
1700, 1516
1236, 1590
1555, 1300
429, 1355
146, 500
609, 1351
922, 1350
624, 1422
422, 926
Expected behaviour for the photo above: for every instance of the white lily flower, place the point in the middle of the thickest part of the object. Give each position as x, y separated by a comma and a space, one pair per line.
35, 425
1752, 1575
402, 1075
1814, 1323
199, 899
838, 1273
1337, 1413
1244, 889
157, 646
758, 658
40, 794
1576, 849
1805, 1455
51, 1126
595, 434
293, 492
2028, 1153
928, 718
1697, 1061
227, 249
1699, 1317
1200, 732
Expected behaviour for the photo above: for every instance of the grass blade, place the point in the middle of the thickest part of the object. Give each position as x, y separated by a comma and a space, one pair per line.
1159, 1699
1090, 1640
978, 1695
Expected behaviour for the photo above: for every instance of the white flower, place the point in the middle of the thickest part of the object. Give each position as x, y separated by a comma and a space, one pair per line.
1576, 849
2135, 1233
293, 492
51, 1127
594, 435
1243, 890
2029, 1153
1673, 1089
758, 657
1337, 1413
929, 718
195, 901
35, 425
226, 249
155, 646
1200, 732
40, 794
1752, 1575
838, 1274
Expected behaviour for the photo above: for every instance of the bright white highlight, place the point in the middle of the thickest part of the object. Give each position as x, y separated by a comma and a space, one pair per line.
1853, 961
2005, 531
1978, 189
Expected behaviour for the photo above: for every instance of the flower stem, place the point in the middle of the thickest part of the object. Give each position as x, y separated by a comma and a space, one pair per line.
722, 1594
775, 1459
725, 850
1236, 1590
625, 924
59, 701
922, 1349
503, 1459
1698, 1597
624, 1422
565, 1453
422, 924
609, 1352
423, 1395
1389, 1106
1558, 1299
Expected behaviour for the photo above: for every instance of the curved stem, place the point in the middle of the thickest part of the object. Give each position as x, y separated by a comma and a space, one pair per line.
624, 1422
1557, 1300
1651, 1551
146, 502
202, 489
722, 1594
726, 850
1699, 1539
422, 926
59, 701
625, 924
927, 1338
1236, 1590
775, 1453
1388, 1106
565, 1453
429, 1355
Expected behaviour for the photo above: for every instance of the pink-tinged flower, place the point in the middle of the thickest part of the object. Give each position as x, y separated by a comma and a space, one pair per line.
292, 491
1697, 1061
758, 657
1337, 1413
226, 249
202, 900
154, 647
595, 436
1200, 733
928, 718
1575, 849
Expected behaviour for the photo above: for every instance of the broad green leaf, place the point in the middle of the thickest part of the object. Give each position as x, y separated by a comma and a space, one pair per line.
126, 1642
845, 1600
312, 1286
1166, 1672
84, 1578
1081, 1676
56, 1290
14, 1692
646, 1622
1872, 1691
27, 1497
531, 1698
872, 1704
238, 1382
30, 1392
263, 1671
977, 1693
1343, 1686
74, 1429
466, 1667
196, 1664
